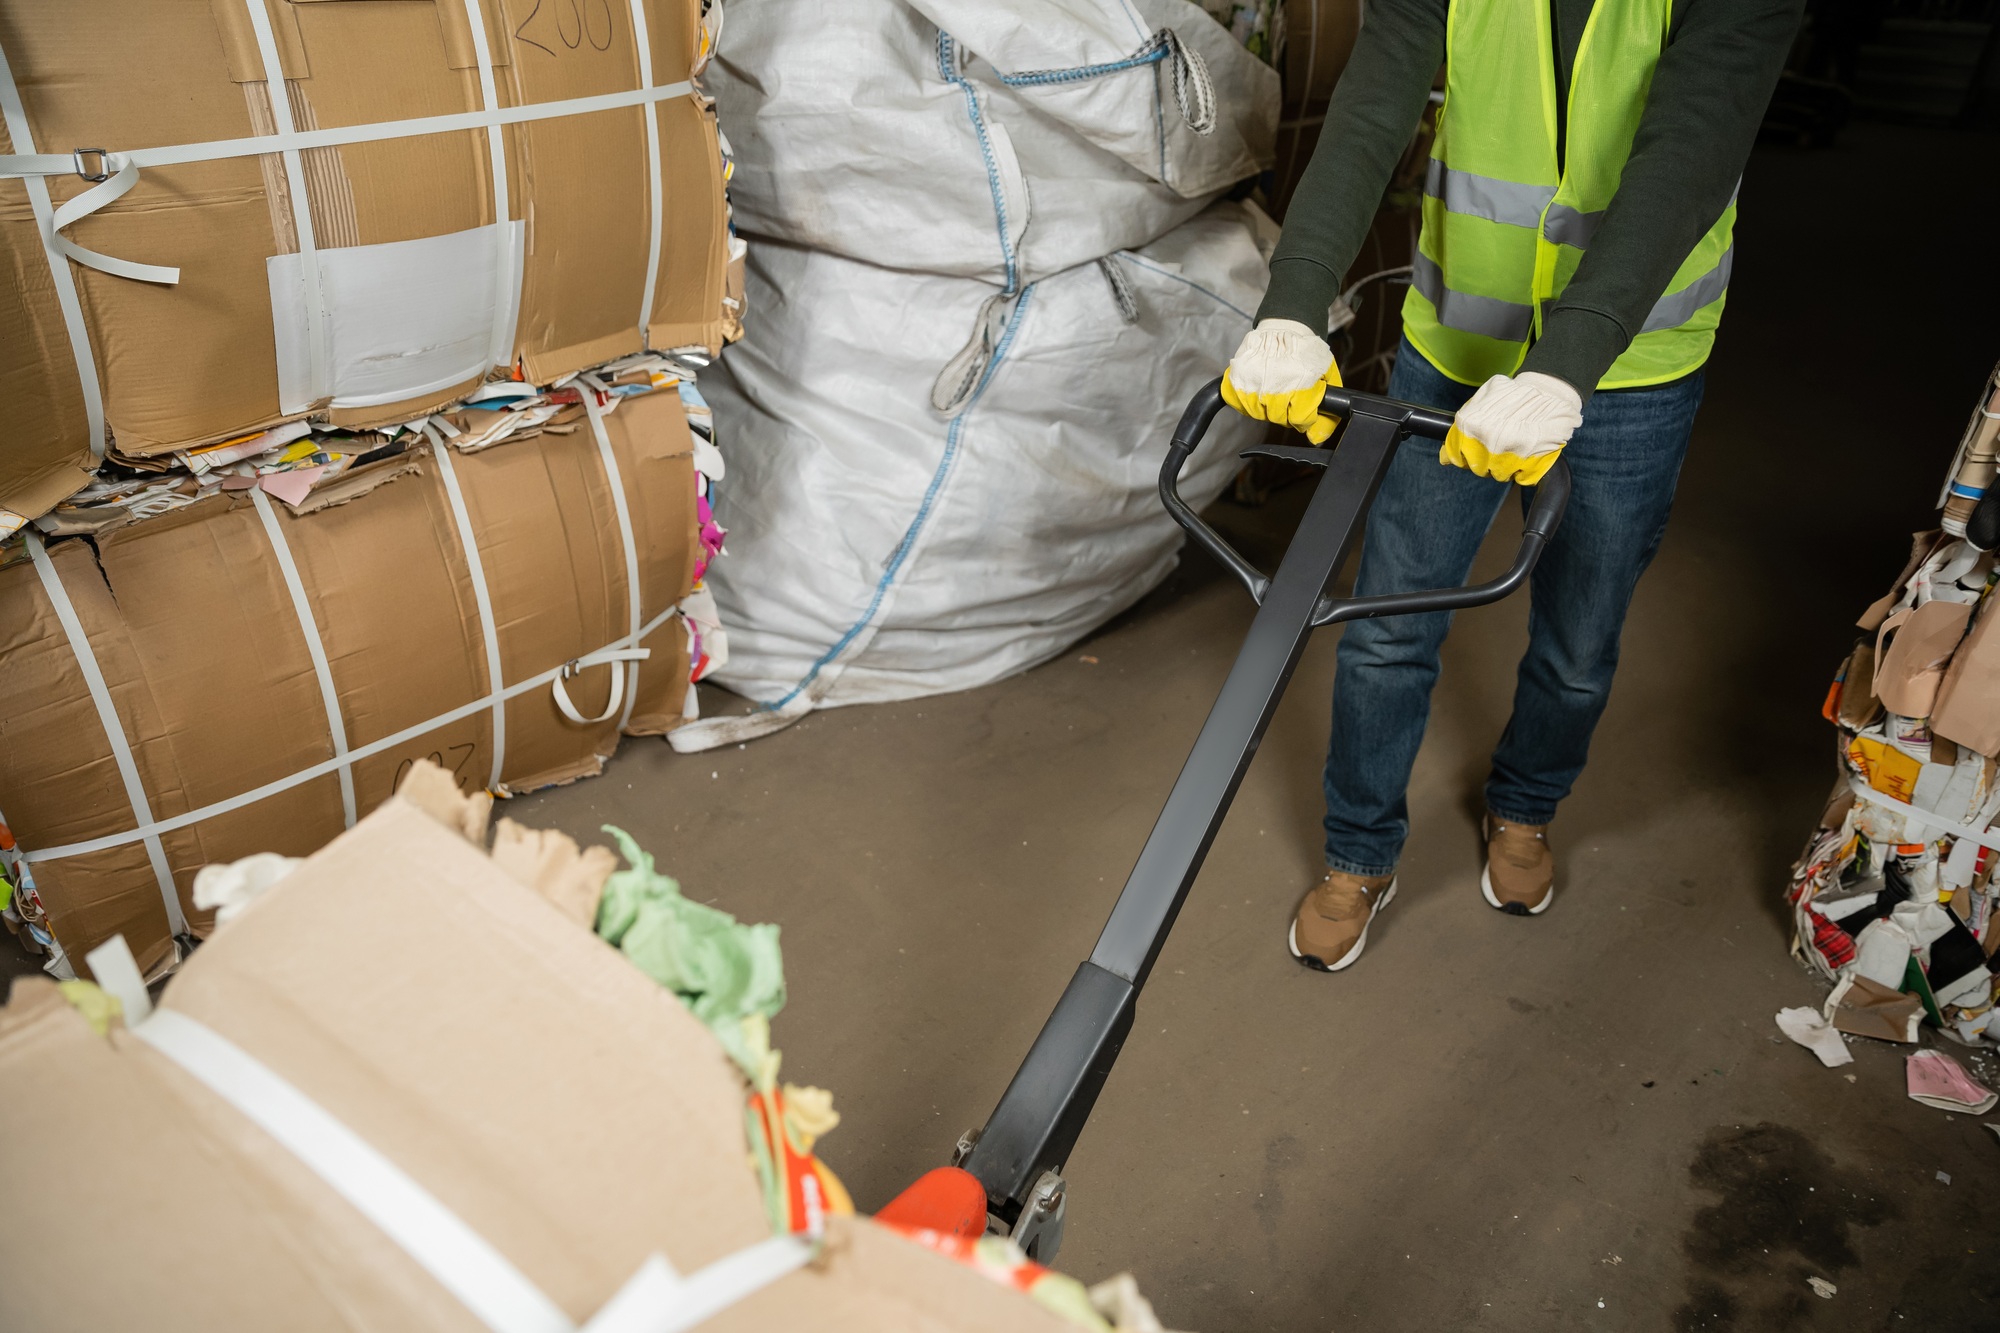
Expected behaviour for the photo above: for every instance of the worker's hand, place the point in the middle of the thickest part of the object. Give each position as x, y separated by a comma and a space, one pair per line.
1514, 427
1280, 373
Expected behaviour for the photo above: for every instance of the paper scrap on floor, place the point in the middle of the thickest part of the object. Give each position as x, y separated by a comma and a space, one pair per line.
1808, 1029
1935, 1079
1866, 1009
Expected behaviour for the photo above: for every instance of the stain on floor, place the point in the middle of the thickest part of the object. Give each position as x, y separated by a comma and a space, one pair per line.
1784, 1213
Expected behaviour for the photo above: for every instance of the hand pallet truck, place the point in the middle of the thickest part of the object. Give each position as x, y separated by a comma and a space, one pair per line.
1018, 1157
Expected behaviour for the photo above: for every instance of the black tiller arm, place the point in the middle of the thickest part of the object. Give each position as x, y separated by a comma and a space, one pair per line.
1043, 1110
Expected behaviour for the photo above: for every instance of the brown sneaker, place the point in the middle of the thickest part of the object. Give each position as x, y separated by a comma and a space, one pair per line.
1520, 874
1331, 926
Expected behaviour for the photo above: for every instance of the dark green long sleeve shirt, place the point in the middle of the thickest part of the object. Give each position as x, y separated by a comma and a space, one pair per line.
1708, 95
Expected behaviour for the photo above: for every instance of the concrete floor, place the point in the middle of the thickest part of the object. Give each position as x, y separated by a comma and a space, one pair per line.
1582, 1121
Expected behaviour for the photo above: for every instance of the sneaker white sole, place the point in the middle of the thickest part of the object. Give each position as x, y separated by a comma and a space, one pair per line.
1360, 943
1493, 900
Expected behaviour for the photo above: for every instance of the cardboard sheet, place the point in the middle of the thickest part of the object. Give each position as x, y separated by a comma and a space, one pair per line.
1968, 698
1868, 1009
1912, 650
1854, 704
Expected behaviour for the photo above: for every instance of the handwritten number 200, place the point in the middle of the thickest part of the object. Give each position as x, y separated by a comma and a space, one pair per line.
581, 14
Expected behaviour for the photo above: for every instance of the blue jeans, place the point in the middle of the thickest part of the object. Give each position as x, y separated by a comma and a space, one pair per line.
1426, 527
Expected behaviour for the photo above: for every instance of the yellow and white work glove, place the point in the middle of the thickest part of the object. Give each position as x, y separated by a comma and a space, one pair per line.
1514, 428
1280, 373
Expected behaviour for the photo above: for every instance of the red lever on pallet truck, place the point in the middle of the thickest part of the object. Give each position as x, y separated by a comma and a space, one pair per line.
949, 1200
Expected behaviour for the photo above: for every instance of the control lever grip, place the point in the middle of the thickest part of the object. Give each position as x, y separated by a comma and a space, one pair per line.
1544, 511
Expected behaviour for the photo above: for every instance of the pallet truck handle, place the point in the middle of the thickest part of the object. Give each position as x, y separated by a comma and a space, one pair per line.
1019, 1156
1544, 511
1193, 426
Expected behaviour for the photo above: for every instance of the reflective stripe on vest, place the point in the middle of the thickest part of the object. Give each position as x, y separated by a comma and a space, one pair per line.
1487, 316
1524, 206
1505, 227
1565, 226
1462, 192
1677, 308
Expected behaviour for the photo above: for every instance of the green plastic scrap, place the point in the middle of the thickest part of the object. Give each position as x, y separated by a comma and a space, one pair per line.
731, 976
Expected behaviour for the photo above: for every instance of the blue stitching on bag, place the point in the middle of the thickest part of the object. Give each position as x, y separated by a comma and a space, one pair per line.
1160, 126
1155, 50
1078, 73
923, 511
945, 46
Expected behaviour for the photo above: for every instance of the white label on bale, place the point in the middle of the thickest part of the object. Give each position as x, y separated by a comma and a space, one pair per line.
404, 318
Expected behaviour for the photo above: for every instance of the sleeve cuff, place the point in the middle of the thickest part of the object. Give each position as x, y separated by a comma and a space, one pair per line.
1300, 289
1577, 346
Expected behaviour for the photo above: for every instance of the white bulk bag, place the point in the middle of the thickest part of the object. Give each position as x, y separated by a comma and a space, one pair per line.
878, 550
998, 140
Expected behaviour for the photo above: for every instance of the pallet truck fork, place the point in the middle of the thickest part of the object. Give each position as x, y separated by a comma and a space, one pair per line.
1018, 1157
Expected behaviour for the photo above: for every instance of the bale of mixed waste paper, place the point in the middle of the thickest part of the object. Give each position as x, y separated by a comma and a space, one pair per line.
1895, 893
232, 676
222, 217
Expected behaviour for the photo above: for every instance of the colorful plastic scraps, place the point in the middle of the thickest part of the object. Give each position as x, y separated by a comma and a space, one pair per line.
731, 976
782, 1125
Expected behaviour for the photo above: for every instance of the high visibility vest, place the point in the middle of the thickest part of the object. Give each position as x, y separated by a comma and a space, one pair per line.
1505, 226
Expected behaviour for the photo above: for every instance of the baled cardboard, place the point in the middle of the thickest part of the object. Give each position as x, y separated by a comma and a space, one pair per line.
198, 639
559, 1102
197, 362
